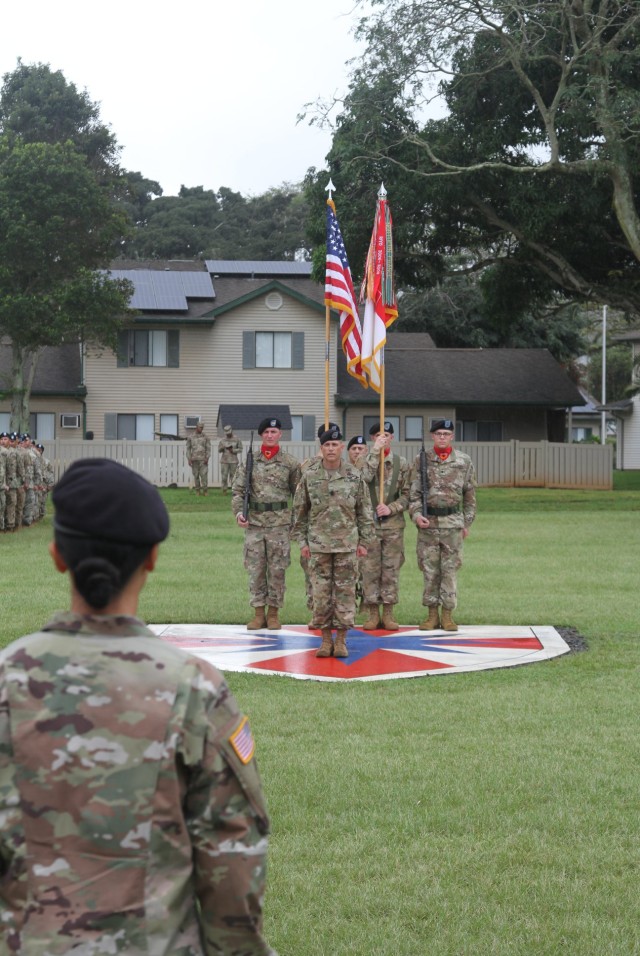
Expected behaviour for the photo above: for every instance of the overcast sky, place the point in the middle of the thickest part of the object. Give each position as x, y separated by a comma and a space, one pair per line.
203, 93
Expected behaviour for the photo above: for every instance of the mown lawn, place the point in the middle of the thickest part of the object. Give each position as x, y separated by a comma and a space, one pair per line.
492, 813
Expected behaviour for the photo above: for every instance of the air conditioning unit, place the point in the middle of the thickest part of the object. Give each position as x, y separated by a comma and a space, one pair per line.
70, 421
190, 421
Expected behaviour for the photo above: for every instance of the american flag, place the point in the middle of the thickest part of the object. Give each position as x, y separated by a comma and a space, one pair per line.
339, 294
242, 741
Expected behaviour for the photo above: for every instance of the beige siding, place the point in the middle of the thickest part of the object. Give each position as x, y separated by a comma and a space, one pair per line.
211, 372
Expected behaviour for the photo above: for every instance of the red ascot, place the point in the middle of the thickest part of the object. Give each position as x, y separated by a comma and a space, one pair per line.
387, 452
443, 453
269, 451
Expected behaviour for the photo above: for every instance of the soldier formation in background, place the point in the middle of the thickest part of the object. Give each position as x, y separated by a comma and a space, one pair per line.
350, 535
230, 451
26, 478
198, 451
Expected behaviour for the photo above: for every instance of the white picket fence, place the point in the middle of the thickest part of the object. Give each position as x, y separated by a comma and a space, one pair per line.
502, 464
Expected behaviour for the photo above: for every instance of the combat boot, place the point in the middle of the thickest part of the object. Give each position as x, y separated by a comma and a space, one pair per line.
432, 622
448, 624
259, 620
340, 648
273, 621
373, 621
326, 648
388, 622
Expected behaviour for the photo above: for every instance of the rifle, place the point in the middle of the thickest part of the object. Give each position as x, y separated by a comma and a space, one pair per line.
247, 480
424, 479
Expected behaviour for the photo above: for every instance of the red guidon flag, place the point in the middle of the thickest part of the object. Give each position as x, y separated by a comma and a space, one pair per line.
377, 293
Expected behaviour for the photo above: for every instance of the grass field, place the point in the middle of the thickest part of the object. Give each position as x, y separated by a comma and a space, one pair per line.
484, 814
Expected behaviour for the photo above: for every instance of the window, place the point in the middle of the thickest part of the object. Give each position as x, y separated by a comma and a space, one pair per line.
42, 426
168, 425
413, 428
478, 431
303, 427
370, 420
5, 419
273, 350
140, 348
131, 427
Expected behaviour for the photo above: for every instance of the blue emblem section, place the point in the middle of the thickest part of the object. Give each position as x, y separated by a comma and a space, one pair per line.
360, 643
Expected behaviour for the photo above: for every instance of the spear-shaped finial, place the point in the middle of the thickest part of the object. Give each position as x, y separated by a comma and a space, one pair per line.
382, 192
329, 188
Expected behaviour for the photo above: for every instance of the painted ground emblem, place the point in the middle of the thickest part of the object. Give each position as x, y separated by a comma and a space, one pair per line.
379, 656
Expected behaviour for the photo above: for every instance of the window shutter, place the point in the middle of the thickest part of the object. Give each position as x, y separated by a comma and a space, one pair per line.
110, 426
297, 350
123, 349
248, 350
308, 427
173, 348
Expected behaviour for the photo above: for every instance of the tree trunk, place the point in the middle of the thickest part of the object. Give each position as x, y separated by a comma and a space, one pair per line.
24, 363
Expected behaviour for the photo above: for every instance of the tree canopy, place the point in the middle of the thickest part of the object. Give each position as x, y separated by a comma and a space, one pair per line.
203, 223
59, 222
529, 177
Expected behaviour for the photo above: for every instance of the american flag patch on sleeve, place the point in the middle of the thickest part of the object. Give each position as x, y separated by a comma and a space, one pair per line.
242, 741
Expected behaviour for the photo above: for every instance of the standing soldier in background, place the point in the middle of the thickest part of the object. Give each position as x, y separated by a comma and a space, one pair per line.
385, 556
451, 509
30, 480
304, 561
333, 525
230, 448
4, 441
11, 480
48, 480
357, 448
267, 547
198, 450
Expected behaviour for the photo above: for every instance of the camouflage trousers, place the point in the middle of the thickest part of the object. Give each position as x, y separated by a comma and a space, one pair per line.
333, 581
10, 510
304, 564
29, 514
267, 555
439, 558
3, 506
381, 567
200, 471
227, 472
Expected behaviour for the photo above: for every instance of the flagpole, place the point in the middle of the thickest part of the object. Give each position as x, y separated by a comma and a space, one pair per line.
382, 194
329, 189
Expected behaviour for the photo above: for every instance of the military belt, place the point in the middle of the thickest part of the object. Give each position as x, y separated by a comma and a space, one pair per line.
268, 505
442, 512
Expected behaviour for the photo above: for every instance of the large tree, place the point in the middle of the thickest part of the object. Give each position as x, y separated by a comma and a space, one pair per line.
59, 223
531, 173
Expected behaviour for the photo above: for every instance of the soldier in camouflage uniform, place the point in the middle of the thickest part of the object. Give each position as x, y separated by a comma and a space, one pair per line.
29, 509
304, 561
22, 472
381, 567
48, 481
451, 508
198, 449
267, 548
230, 449
333, 524
12, 520
4, 441
133, 820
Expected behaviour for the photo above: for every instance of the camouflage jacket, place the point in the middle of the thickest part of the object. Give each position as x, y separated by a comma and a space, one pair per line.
273, 481
13, 479
198, 447
132, 819
3, 467
230, 450
369, 466
332, 510
452, 484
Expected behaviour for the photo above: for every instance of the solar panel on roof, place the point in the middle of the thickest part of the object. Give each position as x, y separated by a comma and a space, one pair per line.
165, 290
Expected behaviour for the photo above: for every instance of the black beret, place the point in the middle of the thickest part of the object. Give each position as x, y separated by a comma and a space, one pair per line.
269, 423
322, 429
331, 434
356, 440
4, 434
386, 426
99, 498
444, 424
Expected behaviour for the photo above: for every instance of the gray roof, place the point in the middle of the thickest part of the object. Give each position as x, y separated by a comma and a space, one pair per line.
59, 371
250, 268
167, 290
409, 340
246, 418
228, 289
466, 377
